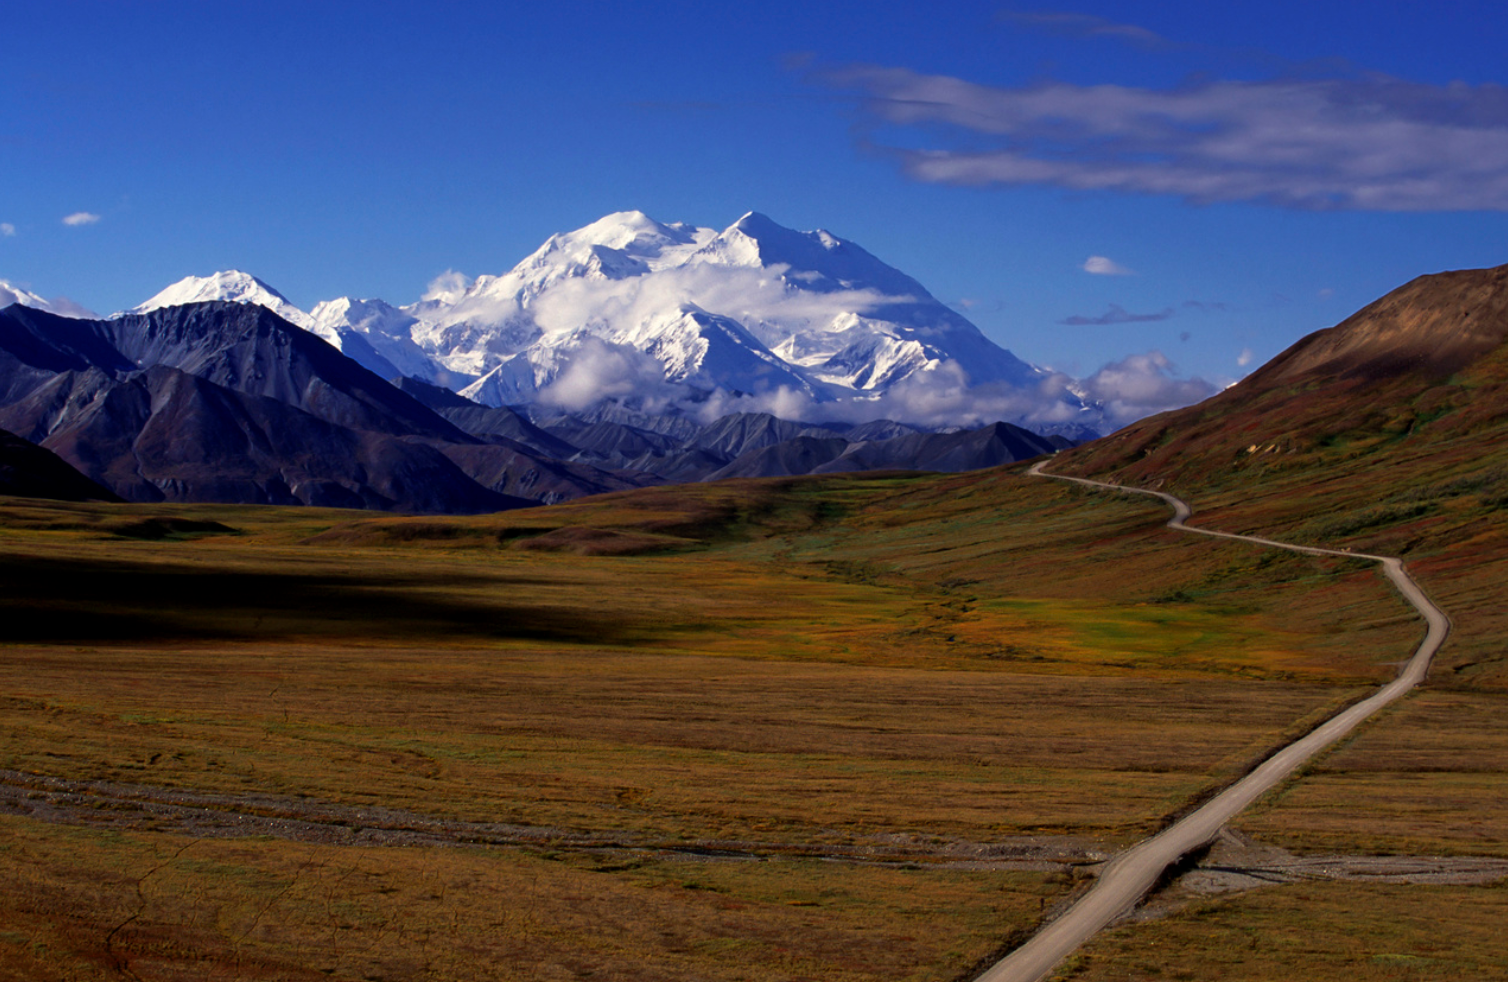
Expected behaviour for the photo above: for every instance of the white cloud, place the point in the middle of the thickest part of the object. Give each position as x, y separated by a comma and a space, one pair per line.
598, 370
1101, 266
939, 396
448, 287
1367, 142
1245, 358
1140, 385
7, 229
750, 296
81, 218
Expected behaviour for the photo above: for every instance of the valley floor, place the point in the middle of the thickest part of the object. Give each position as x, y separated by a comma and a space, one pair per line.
853, 728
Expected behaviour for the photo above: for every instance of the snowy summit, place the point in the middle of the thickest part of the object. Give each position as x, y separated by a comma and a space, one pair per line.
679, 318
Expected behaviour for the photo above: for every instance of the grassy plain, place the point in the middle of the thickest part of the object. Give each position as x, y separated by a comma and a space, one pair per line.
779, 677
1351, 931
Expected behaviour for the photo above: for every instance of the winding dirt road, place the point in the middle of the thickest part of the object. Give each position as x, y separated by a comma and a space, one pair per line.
1128, 877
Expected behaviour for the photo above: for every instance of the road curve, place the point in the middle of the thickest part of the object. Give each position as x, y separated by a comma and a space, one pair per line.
1129, 876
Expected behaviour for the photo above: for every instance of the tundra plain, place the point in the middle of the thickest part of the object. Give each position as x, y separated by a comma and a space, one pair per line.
858, 727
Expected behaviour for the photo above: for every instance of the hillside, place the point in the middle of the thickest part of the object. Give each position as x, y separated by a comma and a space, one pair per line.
1386, 433
28, 471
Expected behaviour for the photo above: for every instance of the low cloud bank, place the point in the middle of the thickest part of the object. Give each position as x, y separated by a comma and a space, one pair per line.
943, 396
1141, 385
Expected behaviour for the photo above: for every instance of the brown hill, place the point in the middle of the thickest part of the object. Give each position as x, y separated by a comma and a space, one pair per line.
1431, 327
1386, 433
1415, 371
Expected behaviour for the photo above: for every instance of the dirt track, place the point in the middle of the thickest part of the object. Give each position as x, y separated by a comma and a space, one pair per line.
1128, 877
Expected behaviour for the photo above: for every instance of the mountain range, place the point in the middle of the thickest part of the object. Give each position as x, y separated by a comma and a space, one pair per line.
626, 353
673, 319
230, 402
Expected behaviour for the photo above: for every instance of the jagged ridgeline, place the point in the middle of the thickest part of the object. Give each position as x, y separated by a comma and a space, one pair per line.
229, 402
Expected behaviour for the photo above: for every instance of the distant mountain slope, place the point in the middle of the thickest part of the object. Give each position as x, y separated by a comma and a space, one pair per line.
245, 348
987, 446
29, 471
166, 435
228, 402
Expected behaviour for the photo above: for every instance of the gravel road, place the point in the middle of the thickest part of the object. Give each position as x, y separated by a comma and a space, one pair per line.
1128, 877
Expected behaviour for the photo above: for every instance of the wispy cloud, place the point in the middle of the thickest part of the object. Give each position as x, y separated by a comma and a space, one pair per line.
449, 287
7, 229
1085, 26
1116, 315
1204, 306
1101, 266
81, 218
1363, 142
1245, 357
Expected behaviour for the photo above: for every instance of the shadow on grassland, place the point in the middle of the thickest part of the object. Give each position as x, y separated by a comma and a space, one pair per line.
46, 600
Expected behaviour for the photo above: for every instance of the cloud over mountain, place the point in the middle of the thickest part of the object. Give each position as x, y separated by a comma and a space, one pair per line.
1141, 385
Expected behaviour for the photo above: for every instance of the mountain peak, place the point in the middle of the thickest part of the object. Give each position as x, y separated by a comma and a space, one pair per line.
632, 232
62, 306
231, 285
754, 222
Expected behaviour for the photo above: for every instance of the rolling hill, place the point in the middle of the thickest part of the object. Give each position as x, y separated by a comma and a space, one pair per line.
1387, 433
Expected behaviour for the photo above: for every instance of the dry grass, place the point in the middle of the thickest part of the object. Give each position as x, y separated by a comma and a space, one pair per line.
83, 904
673, 748
1426, 779
1339, 932
784, 666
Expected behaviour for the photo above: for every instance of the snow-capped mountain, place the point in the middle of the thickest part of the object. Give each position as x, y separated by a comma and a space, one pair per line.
372, 333
233, 286
376, 334
10, 294
755, 308
678, 318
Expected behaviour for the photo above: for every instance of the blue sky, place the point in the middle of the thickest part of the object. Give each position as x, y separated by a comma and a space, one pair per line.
1246, 173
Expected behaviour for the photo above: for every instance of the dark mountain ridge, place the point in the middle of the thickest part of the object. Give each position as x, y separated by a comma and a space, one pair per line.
29, 471
226, 402
222, 401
